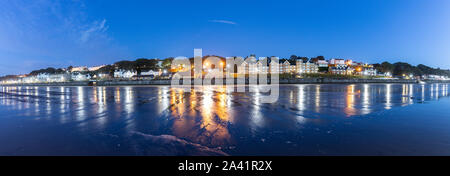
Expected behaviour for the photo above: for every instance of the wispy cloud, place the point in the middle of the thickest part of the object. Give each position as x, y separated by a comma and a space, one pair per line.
96, 28
46, 33
223, 21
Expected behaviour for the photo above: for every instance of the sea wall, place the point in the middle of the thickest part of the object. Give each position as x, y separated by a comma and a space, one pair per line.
78, 83
137, 82
437, 81
281, 81
342, 81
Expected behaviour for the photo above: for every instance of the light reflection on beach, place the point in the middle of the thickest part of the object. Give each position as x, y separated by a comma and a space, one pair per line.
205, 116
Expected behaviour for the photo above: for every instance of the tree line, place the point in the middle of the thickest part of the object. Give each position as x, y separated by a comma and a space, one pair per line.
402, 68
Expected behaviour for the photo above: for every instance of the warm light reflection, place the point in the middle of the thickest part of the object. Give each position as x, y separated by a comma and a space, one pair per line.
432, 91
207, 116
101, 100
317, 98
48, 92
212, 104
444, 90
256, 116
117, 95
301, 98
411, 94
366, 99
62, 103
405, 91
350, 101
94, 98
423, 92
36, 99
129, 103
163, 99
36, 91
437, 91
81, 111
388, 96
62, 91
49, 102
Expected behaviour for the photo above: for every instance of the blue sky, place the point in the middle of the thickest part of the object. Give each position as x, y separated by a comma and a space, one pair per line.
41, 33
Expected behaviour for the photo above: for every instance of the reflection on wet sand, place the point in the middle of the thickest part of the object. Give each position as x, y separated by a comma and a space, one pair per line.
388, 96
350, 101
205, 116
366, 99
215, 101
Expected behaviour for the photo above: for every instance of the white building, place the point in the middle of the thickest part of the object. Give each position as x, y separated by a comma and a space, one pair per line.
242, 69
124, 73
287, 67
341, 70
151, 73
77, 76
102, 76
435, 77
322, 63
306, 67
337, 62
41, 77
274, 67
46, 77
369, 71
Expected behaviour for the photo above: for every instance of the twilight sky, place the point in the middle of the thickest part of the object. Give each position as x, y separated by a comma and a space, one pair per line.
42, 33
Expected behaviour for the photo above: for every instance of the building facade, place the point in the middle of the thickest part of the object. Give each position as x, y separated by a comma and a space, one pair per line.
124, 73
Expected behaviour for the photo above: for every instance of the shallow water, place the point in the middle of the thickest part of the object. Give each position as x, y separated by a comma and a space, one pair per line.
356, 119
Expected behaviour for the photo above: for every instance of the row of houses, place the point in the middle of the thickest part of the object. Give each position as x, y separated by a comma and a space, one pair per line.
132, 74
435, 77
299, 66
83, 73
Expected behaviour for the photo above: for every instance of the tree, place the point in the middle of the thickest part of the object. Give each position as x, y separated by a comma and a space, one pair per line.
304, 59
49, 70
387, 67
126, 65
143, 64
293, 57
166, 64
8, 77
70, 68
283, 60
108, 69
402, 68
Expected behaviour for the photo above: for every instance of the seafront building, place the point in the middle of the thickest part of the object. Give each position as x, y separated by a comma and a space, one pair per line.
80, 76
121, 73
306, 67
341, 70
44, 78
148, 74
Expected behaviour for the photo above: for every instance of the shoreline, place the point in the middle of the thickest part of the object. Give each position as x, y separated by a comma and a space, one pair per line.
281, 81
